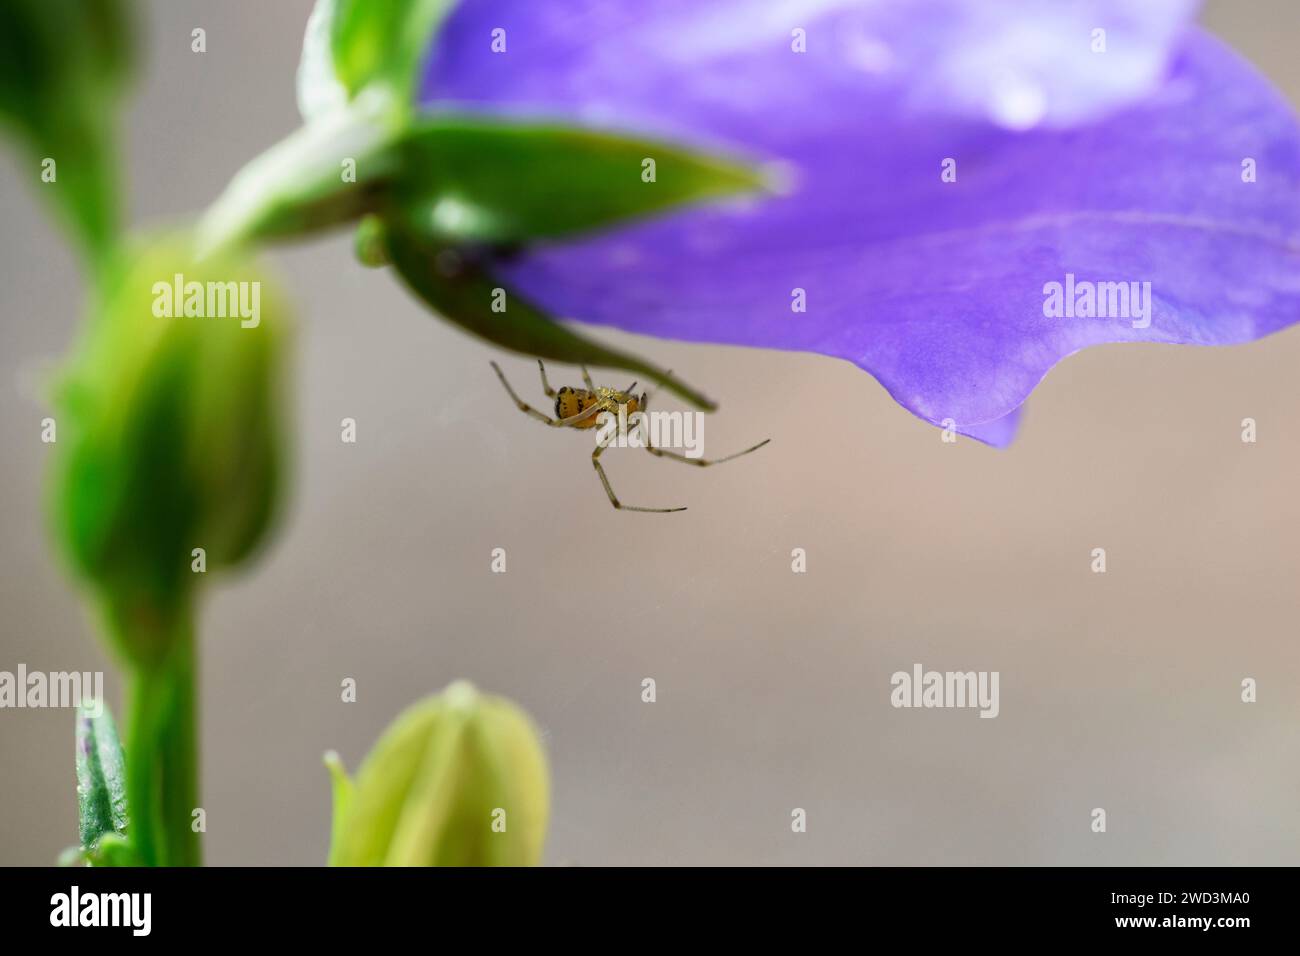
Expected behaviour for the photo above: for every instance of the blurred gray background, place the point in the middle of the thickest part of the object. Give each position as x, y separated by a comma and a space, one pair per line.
1118, 690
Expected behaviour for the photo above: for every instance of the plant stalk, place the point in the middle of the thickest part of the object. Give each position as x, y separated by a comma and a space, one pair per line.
162, 754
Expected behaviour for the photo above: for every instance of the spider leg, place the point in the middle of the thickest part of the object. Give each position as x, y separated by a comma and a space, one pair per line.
534, 413
591, 412
586, 380
546, 386
700, 462
613, 499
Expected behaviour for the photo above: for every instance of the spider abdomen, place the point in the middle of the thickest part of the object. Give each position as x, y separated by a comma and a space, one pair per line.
574, 401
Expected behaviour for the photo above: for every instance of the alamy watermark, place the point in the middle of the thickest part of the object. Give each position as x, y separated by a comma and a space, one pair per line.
1098, 300
922, 688
52, 689
75, 908
658, 429
209, 300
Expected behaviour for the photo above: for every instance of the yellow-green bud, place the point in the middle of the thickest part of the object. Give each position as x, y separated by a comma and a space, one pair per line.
459, 779
169, 451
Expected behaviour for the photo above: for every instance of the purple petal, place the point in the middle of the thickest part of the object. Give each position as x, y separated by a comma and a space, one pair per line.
999, 433
727, 67
936, 288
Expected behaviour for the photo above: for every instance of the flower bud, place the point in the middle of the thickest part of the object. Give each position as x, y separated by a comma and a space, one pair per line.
459, 779
170, 419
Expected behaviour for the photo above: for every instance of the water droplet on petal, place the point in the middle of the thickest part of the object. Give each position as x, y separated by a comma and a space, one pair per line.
1018, 103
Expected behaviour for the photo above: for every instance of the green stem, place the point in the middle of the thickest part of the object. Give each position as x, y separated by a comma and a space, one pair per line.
162, 754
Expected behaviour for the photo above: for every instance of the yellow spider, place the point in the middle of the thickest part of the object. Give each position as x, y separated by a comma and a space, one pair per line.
581, 407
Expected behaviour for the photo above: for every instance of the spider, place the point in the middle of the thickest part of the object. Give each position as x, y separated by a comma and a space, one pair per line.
580, 408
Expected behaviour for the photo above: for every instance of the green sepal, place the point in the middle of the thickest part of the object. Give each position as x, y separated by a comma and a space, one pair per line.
384, 41
477, 179
350, 45
462, 179
463, 292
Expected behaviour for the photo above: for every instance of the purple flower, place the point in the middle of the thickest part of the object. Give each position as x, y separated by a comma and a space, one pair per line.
979, 188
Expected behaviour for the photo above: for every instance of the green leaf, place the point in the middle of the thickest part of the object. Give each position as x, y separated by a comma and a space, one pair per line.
463, 292
468, 178
101, 775
63, 64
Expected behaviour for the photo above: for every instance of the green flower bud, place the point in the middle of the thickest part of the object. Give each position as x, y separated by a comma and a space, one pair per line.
170, 435
459, 779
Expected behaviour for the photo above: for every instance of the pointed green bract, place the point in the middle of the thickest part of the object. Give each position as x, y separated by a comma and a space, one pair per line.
101, 775
459, 779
